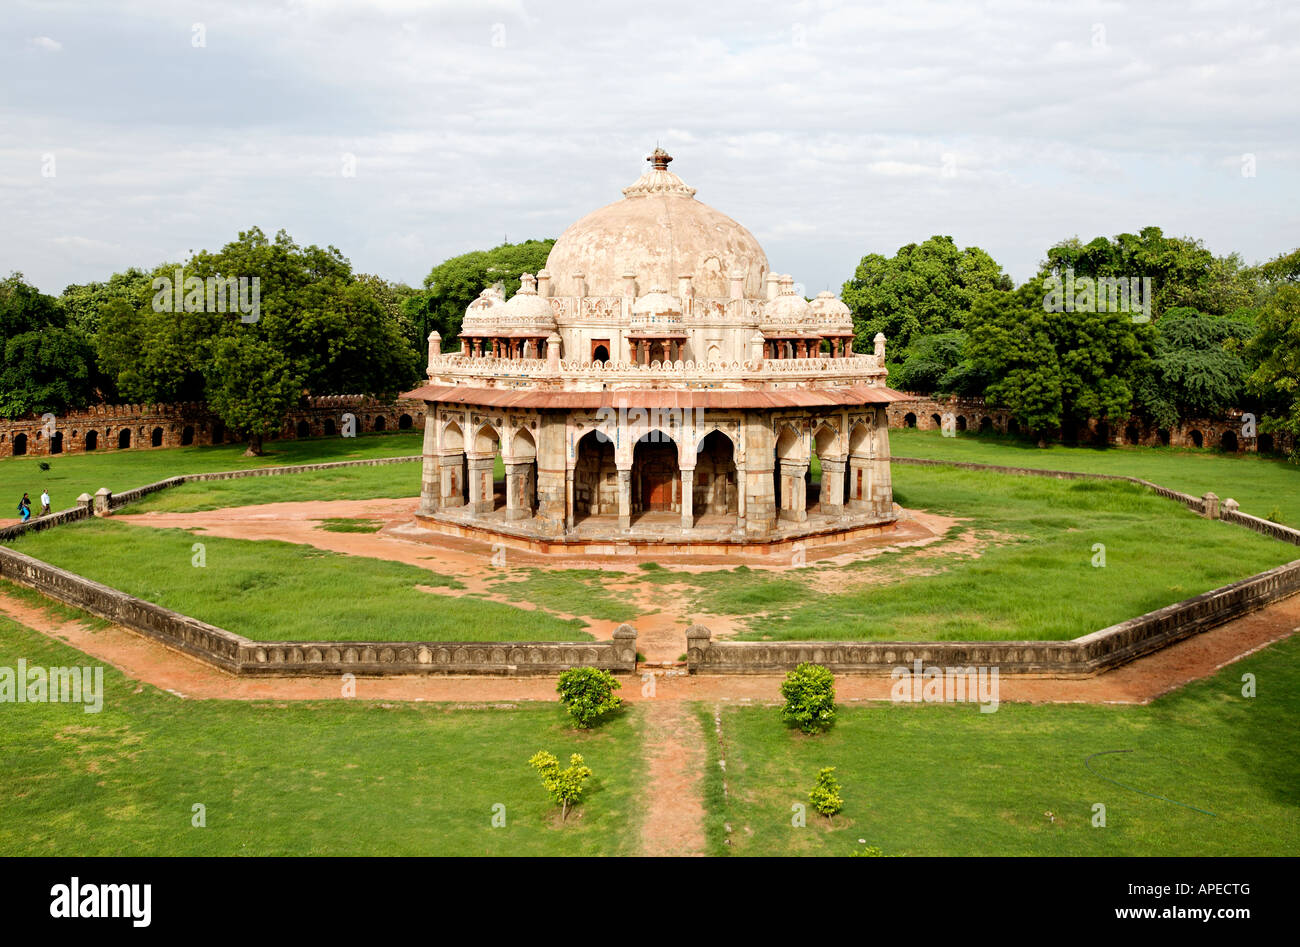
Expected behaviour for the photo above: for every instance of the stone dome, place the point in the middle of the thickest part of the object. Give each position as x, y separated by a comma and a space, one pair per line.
526, 307
788, 310
831, 311
659, 232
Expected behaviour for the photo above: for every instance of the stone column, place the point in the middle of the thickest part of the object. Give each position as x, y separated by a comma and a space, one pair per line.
794, 490
625, 498
550, 488
740, 495
451, 470
570, 516
480, 483
517, 505
832, 492
431, 477
103, 496
688, 497
760, 497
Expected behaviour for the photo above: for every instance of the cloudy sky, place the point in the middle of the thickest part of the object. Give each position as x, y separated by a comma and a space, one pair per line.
404, 132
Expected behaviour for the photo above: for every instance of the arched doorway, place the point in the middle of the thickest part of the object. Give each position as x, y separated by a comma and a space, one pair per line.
56, 443
1197, 439
595, 476
1228, 442
521, 476
380, 423
482, 462
829, 495
936, 422
304, 429
656, 485
187, 435
19, 445
716, 493
156, 437
124, 438
92, 440
454, 467
909, 420
600, 354
790, 476
404, 423
961, 422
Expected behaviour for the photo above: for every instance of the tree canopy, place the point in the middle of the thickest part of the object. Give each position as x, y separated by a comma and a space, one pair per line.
455, 283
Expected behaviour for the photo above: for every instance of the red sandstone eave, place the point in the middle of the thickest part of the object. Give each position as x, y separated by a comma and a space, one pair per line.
655, 397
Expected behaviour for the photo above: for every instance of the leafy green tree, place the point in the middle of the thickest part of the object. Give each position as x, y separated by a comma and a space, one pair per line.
825, 796
1055, 369
251, 386
566, 786
1199, 367
588, 694
47, 365
1276, 349
809, 693
455, 283
936, 363
925, 288
1182, 271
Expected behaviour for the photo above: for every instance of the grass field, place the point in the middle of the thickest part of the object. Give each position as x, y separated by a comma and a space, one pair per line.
276, 591
71, 475
1258, 483
393, 481
928, 779
1035, 582
297, 778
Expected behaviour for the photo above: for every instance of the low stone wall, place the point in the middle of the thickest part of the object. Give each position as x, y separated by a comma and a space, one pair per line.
239, 655
1095, 652
110, 427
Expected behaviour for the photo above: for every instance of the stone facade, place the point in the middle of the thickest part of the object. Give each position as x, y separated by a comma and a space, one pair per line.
130, 426
656, 383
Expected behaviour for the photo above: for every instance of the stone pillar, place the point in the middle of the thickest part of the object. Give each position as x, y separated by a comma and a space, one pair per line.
570, 516
794, 490
552, 499
480, 483
519, 504
102, 497
740, 495
431, 476
832, 492
625, 498
450, 480
435, 344
688, 497
1211, 505
83, 502
697, 645
760, 497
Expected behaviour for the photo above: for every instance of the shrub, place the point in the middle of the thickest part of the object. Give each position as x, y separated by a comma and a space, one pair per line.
564, 785
587, 693
809, 692
825, 796
870, 851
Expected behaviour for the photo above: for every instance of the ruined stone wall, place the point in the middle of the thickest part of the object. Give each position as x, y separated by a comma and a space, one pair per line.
973, 415
131, 426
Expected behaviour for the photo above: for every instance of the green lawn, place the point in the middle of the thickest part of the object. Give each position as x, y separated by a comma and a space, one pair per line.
1034, 581
277, 591
395, 481
71, 475
926, 779
343, 777
1258, 483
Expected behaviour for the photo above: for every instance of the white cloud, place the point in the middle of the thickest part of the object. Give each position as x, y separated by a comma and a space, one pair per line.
47, 44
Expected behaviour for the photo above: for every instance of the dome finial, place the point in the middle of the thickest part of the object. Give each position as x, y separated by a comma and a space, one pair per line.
659, 159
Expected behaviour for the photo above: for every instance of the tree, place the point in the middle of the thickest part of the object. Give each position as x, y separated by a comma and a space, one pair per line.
47, 365
251, 386
937, 363
1199, 367
1055, 369
809, 693
1276, 348
565, 785
825, 796
1182, 271
925, 288
588, 694
455, 283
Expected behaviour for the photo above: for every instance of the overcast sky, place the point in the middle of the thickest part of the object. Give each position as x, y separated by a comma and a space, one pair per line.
133, 132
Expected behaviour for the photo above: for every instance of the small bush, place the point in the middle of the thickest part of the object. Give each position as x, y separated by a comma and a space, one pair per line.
564, 785
809, 692
588, 694
825, 796
870, 851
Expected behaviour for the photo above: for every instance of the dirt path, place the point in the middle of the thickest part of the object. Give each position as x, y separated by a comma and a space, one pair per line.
673, 745
1138, 682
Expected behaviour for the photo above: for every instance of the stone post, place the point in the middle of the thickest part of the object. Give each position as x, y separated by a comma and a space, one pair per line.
1231, 506
688, 497
102, 498
83, 502
794, 490
697, 646
625, 498
880, 348
518, 506
625, 645
435, 345
1211, 504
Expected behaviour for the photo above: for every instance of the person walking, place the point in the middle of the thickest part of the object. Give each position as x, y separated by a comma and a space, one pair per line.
45, 502
25, 507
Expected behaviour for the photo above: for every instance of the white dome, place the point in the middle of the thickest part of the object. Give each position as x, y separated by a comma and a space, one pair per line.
659, 232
